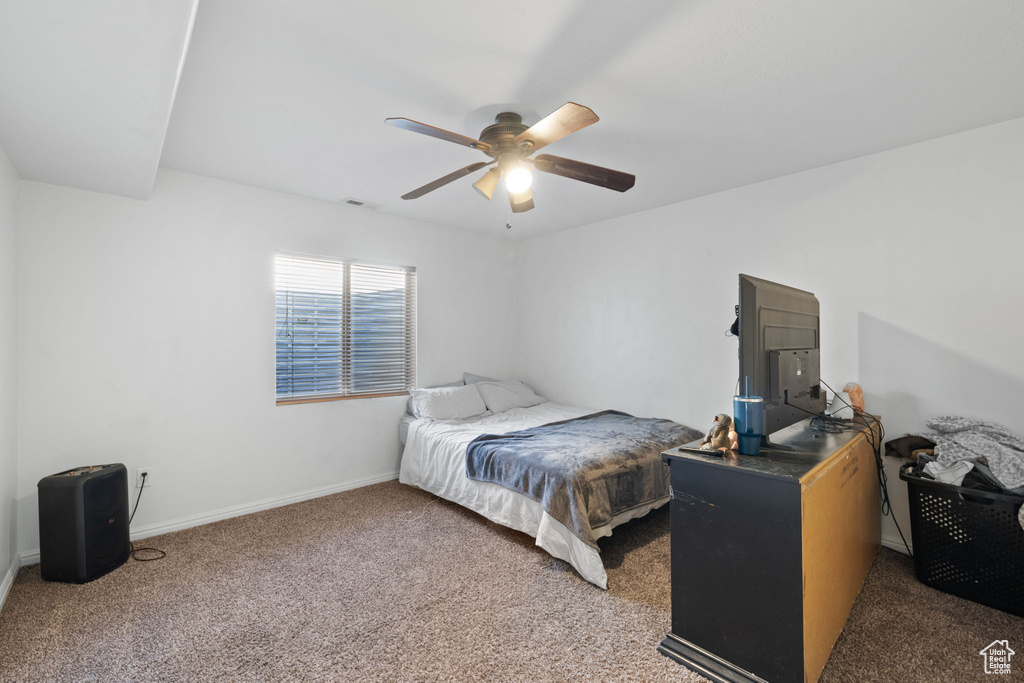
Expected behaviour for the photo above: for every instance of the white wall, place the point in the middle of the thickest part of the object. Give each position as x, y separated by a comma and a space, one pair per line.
915, 255
127, 308
8, 363
147, 338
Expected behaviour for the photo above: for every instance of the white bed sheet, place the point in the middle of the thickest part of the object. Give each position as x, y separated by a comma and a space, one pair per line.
435, 460
403, 427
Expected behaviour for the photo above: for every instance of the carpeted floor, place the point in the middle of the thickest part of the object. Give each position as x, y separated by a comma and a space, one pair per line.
390, 583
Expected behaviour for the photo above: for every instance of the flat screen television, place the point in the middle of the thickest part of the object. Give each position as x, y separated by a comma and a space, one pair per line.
780, 343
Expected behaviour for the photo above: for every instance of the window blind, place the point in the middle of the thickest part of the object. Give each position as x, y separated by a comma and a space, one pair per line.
344, 328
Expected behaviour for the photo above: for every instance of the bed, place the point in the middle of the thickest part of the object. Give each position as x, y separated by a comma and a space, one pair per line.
435, 460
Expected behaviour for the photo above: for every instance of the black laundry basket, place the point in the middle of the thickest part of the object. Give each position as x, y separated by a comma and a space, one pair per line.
967, 542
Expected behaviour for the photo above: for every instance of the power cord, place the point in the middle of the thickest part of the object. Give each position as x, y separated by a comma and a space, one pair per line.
876, 441
820, 422
160, 553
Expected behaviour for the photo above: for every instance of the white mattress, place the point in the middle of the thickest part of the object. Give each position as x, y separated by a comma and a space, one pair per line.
403, 427
435, 460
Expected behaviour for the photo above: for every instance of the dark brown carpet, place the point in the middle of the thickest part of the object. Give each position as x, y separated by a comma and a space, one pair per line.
391, 583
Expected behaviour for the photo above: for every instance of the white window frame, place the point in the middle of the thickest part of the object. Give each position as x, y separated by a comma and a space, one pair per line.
330, 340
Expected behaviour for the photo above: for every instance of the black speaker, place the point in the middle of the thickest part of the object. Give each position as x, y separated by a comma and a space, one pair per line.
83, 523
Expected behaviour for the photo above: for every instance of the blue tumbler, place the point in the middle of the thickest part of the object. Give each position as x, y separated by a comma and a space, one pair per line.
748, 420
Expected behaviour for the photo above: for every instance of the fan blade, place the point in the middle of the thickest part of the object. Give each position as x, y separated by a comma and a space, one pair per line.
521, 201
588, 173
440, 133
441, 182
568, 118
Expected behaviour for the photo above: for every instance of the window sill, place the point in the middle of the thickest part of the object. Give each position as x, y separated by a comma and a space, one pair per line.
322, 399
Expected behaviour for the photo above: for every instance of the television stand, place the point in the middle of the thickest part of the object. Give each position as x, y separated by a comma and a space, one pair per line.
769, 445
769, 553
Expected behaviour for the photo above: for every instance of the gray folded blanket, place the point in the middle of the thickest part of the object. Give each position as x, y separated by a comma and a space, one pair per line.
959, 439
583, 471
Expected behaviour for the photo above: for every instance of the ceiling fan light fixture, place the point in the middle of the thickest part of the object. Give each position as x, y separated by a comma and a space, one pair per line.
518, 179
521, 197
513, 170
487, 183
521, 201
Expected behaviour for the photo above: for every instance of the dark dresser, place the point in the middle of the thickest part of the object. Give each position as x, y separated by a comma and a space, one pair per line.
769, 553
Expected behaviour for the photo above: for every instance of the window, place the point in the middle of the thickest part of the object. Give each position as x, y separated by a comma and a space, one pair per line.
345, 329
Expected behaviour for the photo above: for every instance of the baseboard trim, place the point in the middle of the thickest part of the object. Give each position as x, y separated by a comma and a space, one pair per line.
5, 587
896, 543
32, 556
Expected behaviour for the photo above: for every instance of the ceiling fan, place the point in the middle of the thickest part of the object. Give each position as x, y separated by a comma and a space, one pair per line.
509, 142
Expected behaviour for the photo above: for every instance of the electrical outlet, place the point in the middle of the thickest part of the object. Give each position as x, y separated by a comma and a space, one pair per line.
148, 472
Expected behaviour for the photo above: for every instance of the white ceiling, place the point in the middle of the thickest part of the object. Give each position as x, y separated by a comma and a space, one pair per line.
694, 97
86, 88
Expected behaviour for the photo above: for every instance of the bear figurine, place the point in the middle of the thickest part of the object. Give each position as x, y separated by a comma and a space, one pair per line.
719, 437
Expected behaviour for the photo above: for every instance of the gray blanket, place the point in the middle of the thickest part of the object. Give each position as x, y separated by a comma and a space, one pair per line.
959, 439
583, 471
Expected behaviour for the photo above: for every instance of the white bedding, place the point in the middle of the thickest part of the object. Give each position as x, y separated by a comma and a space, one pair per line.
403, 427
435, 460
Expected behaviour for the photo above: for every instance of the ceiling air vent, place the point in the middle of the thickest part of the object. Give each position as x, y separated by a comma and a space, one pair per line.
360, 203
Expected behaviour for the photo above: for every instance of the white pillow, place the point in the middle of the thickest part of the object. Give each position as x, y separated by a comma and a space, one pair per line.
447, 403
408, 407
502, 396
470, 378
